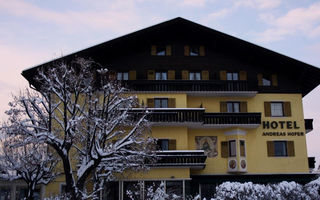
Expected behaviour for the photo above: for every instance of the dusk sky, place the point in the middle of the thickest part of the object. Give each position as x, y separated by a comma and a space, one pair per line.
36, 31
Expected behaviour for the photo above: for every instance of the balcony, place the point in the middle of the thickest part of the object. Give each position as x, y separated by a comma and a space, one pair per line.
195, 159
308, 125
226, 120
194, 88
198, 118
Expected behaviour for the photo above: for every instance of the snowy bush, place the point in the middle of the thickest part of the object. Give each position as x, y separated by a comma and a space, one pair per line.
312, 189
280, 191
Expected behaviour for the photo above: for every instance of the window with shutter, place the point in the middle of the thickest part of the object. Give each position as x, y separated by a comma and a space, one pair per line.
185, 74
171, 75
202, 51
267, 109
223, 75
186, 50
270, 148
132, 75
172, 144
205, 75
242, 148
243, 75
224, 149
223, 106
150, 103
287, 109
151, 75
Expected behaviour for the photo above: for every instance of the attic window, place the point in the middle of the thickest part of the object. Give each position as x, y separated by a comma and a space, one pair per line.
161, 51
194, 51
266, 81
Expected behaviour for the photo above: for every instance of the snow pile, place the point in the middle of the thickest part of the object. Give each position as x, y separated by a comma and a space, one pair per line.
283, 190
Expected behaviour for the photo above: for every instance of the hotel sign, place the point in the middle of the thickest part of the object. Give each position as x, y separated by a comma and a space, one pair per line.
269, 125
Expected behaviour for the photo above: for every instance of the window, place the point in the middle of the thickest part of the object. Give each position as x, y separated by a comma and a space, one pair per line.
242, 148
163, 144
280, 148
233, 107
232, 148
232, 76
194, 51
161, 51
63, 187
174, 188
161, 103
276, 109
266, 81
161, 76
123, 76
194, 76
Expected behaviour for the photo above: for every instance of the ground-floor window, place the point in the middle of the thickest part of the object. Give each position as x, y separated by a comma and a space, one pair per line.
5, 194
140, 190
207, 190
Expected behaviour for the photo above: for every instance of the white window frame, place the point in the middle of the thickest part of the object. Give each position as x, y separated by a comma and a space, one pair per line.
233, 106
235, 148
161, 76
195, 76
232, 76
276, 112
122, 76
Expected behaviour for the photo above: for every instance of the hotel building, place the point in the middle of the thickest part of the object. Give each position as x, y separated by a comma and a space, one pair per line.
223, 109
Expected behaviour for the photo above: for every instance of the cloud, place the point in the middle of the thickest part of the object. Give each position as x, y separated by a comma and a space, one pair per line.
108, 16
258, 4
297, 21
196, 3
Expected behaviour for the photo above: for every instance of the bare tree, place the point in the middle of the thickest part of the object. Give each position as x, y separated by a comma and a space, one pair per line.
29, 161
86, 118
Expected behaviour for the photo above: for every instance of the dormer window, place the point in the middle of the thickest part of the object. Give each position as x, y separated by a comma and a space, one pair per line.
123, 76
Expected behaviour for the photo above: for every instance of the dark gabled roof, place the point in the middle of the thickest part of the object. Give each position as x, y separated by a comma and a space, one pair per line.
307, 74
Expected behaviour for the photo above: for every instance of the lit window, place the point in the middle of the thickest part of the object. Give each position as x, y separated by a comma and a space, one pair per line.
161, 76
233, 107
280, 148
161, 51
276, 109
232, 148
194, 76
161, 103
194, 51
123, 76
232, 76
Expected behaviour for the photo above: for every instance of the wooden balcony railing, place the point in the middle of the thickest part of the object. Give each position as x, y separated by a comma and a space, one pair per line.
199, 116
232, 118
187, 158
185, 85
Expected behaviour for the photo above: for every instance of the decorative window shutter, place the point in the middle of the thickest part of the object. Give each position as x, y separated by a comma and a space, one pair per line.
185, 75
112, 75
259, 77
290, 148
274, 79
150, 103
287, 109
172, 144
168, 50
270, 148
151, 75
153, 50
224, 149
205, 75
186, 50
202, 51
267, 109
243, 75
171, 103
223, 106
243, 107
171, 75
223, 75
132, 75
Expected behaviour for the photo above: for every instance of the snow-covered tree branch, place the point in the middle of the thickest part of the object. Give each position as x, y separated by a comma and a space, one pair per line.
28, 160
86, 118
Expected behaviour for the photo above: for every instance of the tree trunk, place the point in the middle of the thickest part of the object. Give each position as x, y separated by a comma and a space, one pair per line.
70, 183
31, 188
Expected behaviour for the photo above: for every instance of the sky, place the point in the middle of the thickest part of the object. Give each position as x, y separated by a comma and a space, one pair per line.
36, 31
